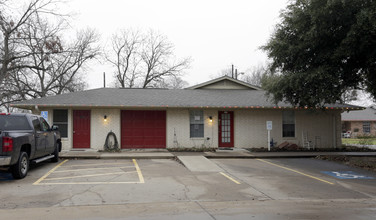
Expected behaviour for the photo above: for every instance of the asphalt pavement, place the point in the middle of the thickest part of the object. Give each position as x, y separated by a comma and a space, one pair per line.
278, 188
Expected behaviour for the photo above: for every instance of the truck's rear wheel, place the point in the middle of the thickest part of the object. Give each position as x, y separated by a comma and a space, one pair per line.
56, 153
20, 169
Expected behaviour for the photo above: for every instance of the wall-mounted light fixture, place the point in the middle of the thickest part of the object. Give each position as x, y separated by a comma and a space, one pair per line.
210, 118
105, 118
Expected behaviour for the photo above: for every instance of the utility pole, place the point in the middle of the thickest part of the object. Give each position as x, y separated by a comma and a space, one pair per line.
104, 79
232, 71
236, 73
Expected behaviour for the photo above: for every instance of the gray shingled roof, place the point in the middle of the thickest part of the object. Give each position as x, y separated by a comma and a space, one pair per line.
368, 114
114, 97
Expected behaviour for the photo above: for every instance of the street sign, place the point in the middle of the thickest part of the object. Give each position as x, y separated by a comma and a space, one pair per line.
347, 175
269, 125
44, 114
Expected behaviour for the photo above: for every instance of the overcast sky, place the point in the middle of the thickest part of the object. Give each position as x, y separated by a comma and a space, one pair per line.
214, 33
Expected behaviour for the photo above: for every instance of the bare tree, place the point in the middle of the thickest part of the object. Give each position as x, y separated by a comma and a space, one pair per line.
177, 83
159, 60
255, 75
8, 94
46, 64
59, 72
12, 24
225, 72
230, 71
68, 66
172, 82
124, 56
144, 60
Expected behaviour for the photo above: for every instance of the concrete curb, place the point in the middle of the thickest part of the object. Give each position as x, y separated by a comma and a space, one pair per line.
256, 157
99, 155
136, 157
115, 157
230, 155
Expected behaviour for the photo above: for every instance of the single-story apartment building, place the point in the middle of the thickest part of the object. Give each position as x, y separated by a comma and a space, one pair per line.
363, 122
223, 112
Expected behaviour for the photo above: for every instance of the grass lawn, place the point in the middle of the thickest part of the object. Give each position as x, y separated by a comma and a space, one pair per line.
361, 141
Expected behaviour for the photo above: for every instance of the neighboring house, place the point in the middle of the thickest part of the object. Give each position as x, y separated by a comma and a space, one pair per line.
223, 112
361, 122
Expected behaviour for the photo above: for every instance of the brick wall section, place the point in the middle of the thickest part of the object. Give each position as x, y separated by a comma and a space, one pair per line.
320, 127
249, 126
359, 125
178, 129
100, 128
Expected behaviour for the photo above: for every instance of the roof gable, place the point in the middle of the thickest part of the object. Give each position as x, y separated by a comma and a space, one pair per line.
225, 82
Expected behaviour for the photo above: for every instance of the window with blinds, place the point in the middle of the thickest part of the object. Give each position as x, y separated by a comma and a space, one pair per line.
196, 120
60, 118
288, 124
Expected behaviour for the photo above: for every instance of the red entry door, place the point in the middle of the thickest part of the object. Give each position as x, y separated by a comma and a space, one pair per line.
81, 128
143, 129
226, 129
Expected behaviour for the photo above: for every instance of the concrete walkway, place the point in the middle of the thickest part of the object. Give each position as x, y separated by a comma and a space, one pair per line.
199, 164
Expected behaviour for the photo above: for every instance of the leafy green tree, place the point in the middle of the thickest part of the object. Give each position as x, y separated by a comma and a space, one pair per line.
321, 49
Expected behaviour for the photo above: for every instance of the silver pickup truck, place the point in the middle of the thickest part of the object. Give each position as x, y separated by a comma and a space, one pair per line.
25, 139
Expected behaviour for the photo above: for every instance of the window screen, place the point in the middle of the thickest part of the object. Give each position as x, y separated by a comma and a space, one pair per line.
196, 119
366, 127
288, 124
60, 118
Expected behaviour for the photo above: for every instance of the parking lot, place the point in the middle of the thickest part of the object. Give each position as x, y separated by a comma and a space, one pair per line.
93, 172
281, 187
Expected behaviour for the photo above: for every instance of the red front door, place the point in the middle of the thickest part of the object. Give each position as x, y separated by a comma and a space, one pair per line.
143, 129
81, 128
226, 129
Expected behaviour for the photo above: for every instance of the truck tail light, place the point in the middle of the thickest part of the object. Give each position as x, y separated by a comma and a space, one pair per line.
7, 144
